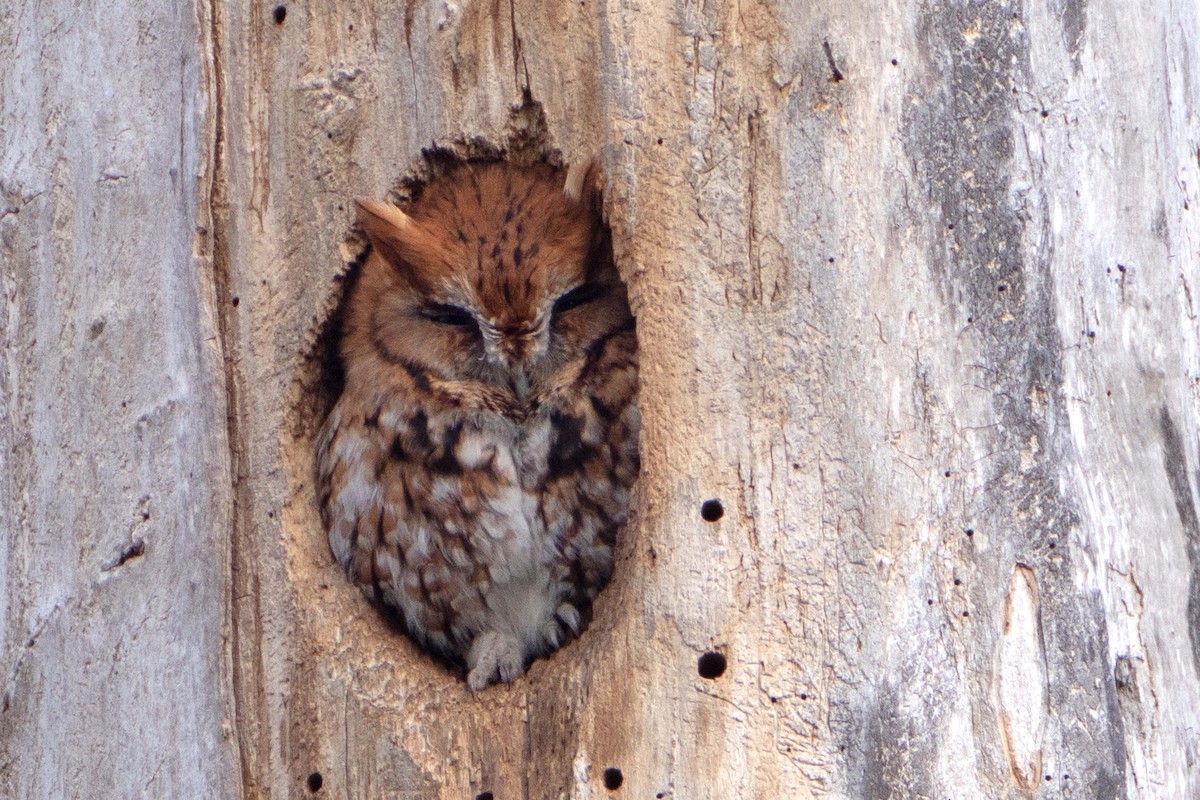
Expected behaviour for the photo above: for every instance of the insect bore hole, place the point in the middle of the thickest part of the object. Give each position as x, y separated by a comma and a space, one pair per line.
712, 510
484, 796
613, 779
280, 14
315, 782
712, 665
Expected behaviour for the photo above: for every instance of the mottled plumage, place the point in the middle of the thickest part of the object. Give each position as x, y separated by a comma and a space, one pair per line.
476, 470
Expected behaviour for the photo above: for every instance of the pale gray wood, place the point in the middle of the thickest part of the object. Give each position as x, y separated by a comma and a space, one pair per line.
914, 288
113, 455
881, 318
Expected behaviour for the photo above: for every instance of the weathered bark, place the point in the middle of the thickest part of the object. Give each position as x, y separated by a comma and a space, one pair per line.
914, 295
114, 469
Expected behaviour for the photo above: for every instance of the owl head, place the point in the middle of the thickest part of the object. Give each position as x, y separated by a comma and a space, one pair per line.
494, 273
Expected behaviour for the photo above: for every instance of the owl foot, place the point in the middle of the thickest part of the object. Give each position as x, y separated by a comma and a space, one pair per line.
494, 655
555, 630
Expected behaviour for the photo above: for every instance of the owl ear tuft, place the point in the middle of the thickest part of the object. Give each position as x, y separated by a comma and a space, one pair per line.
398, 237
382, 220
583, 183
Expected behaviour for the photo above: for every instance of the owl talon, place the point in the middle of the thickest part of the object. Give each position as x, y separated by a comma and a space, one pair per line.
568, 615
494, 655
550, 634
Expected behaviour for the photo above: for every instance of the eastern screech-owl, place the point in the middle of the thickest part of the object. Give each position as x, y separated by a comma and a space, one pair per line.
476, 470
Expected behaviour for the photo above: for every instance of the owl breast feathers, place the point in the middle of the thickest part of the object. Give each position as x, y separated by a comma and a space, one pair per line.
476, 470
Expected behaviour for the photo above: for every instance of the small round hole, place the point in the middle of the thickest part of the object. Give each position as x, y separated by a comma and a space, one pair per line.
712, 665
280, 14
613, 778
235, 301
712, 510
484, 796
315, 782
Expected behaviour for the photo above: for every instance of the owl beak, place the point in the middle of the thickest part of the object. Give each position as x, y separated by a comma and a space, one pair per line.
520, 383
515, 349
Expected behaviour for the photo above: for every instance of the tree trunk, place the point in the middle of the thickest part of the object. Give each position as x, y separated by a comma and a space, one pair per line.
914, 288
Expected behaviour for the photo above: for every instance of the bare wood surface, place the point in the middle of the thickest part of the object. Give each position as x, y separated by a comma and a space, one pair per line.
114, 469
914, 290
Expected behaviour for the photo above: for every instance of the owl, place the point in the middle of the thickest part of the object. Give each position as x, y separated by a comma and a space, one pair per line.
476, 471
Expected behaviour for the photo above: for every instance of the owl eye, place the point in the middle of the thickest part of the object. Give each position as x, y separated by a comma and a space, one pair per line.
577, 297
444, 314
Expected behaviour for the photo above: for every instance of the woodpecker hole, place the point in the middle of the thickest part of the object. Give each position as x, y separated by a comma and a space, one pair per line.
712, 665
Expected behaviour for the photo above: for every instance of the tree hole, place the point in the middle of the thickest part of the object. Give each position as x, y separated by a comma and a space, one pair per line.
613, 778
315, 782
280, 14
712, 665
526, 150
712, 510
484, 796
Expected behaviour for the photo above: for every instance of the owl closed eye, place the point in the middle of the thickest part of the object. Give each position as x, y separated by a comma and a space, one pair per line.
476, 470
